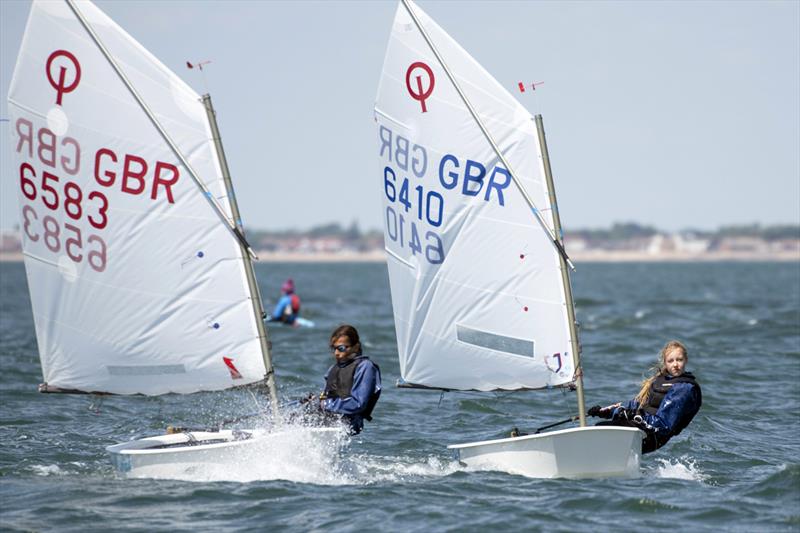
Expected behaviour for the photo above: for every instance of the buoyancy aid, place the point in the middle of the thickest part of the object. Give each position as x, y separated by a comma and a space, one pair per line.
295, 303
659, 389
340, 382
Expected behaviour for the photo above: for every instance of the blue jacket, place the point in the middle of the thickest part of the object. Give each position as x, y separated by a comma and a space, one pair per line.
677, 409
366, 384
280, 308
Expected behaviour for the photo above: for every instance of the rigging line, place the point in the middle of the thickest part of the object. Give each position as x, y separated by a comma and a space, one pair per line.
488, 136
95, 403
255, 400
164, 135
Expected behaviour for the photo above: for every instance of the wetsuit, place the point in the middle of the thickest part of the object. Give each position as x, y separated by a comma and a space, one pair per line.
672, 404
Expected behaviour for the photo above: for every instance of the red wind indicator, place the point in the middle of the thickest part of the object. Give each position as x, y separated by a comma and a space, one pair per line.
198, 65
521, 86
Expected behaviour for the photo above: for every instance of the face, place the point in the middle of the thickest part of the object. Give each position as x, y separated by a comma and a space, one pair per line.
675, 361
337, 345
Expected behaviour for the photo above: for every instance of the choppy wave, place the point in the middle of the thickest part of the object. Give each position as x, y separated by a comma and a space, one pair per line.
683, 467
735, 467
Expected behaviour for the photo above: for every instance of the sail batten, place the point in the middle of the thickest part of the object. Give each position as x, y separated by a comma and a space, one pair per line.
129, 264
476, 285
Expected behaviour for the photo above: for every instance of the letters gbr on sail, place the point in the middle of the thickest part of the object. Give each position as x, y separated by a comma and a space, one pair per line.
136, 284
476, 284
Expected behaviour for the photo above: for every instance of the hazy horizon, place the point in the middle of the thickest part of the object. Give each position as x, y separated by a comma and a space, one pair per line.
672, 114
566, 229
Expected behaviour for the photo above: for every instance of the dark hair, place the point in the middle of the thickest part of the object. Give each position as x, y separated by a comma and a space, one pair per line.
350, 332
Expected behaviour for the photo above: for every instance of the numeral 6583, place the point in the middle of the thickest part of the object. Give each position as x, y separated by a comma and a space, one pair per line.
49, 231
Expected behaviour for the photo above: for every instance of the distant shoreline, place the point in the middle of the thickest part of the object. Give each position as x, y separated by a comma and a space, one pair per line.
378, 256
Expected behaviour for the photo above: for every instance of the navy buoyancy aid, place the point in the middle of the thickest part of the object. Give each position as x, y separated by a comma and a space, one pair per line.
340, 382
659, 389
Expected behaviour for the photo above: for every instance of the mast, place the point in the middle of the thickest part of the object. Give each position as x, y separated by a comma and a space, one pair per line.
255, 294
573, 329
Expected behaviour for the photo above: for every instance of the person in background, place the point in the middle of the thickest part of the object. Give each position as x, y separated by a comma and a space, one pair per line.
352, 383
667, 401
288, 307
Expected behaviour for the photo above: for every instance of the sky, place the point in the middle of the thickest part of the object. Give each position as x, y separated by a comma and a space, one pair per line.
673, 114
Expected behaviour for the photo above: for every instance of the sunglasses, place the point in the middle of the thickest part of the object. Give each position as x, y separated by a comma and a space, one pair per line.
341, 348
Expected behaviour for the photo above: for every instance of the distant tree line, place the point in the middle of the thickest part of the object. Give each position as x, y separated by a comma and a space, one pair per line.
332, 230
620, 231
631, 230
769, 233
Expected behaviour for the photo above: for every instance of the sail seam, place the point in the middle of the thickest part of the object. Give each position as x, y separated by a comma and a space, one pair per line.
398, 258
391, 119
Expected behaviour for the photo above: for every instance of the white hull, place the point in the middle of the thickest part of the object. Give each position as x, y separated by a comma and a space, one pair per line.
299, 322
199, 452
590, 452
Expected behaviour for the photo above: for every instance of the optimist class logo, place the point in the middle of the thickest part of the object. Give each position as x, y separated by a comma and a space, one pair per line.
422, 94
61, 85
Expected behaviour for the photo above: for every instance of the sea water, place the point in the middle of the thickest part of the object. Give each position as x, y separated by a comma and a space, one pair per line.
735, 468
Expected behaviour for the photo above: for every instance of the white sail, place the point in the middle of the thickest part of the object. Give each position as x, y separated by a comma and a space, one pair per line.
137, 284
477, 290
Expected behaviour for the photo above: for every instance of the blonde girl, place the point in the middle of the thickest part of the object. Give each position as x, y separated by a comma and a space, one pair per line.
667, 400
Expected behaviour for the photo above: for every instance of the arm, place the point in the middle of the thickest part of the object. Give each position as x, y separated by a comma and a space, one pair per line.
365, 381
614, 410
277, 313
603, 412
631, 405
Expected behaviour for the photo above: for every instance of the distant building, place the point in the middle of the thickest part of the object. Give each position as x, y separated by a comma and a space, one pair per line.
10, 242
690, 243
741, 244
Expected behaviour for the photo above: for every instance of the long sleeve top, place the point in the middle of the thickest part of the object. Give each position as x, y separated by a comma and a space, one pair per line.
366, 383
283, 304
677, 409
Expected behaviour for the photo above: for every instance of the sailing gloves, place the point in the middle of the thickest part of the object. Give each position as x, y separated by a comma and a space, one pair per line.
599, 412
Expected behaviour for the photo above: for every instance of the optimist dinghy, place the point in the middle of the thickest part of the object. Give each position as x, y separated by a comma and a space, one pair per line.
140, 276
478, 272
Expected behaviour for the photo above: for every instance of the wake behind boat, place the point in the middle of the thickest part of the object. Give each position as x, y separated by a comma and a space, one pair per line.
140, 275
478, 271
